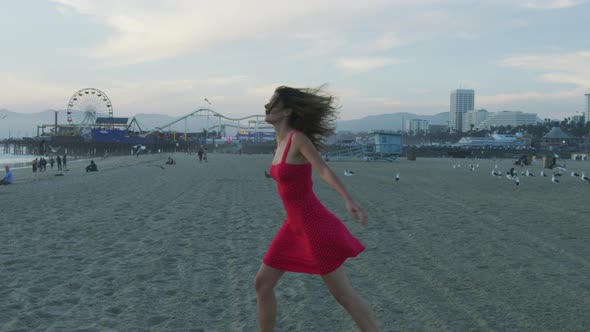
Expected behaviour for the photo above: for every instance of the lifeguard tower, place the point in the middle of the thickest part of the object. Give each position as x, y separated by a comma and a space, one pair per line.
386, 146
381, 146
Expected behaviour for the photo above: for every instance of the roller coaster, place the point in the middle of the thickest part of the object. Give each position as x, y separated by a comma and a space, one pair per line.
256, 120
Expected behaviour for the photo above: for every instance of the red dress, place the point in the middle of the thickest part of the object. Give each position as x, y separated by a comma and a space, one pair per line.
312, 239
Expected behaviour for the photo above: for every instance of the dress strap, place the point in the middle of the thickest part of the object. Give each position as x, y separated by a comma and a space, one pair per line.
287, 147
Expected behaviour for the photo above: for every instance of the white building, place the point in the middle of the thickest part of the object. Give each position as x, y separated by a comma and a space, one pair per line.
474, 119
418, 125
461, 101
587, 107
510, 118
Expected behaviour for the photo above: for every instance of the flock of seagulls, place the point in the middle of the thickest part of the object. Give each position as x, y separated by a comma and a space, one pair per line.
513, 175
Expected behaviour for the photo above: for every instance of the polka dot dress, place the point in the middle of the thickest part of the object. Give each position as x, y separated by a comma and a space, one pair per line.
312, 239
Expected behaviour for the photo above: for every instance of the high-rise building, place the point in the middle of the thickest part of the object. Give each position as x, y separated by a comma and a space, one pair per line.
587, 107
462, 100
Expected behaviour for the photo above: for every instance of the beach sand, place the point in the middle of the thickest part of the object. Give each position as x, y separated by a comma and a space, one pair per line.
135, 247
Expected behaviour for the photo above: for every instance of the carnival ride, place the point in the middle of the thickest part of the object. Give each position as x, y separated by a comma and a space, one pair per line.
90, 117
254, 124
87, 109
87, 105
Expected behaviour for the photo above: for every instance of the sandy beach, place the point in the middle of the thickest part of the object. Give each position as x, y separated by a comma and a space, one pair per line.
137, 247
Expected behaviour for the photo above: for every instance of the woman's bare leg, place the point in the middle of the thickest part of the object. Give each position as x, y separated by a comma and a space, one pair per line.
266, 279
340, 287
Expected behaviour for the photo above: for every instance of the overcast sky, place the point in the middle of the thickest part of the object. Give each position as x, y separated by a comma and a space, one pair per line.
377, 56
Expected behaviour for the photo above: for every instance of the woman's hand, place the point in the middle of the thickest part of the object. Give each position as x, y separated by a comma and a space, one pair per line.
357, 213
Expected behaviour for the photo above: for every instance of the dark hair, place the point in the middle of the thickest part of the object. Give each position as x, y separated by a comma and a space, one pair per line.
312, 112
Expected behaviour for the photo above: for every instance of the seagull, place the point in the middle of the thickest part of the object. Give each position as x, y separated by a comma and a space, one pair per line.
543, 173
554, 179
516, 181
511, 172
585, 178
397, 177
53, 150
471, 167
348, 173
574, 174
454, 166
267, 175
527, 173
207, 100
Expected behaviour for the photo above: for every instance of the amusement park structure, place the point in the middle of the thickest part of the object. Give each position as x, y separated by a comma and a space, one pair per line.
255, 125
90, 119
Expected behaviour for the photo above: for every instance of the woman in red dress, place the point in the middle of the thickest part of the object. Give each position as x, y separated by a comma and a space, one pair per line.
311, 239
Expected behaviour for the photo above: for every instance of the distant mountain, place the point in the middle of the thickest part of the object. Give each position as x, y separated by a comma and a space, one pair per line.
392, 121
25, 124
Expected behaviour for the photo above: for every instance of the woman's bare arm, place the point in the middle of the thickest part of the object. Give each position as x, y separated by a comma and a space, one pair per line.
303, 145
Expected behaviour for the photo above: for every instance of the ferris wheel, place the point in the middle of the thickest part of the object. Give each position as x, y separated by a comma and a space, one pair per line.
86, 105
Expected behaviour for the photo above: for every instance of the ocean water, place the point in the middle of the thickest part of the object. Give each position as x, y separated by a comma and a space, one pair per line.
16, 160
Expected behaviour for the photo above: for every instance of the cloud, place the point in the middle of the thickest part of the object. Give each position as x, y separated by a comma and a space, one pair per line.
151, 30
28, 92
562, 69
366, 64
551, 4
510, 98
565, 68
386, 41
23, 94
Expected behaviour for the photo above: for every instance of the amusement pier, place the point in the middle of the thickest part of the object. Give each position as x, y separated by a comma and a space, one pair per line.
93, 130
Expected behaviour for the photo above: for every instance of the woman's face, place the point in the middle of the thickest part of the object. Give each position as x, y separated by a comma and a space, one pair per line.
274, 110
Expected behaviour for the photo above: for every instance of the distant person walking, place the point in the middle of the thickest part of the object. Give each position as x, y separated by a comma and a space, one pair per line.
42, 164
35, 164
8, 177
200, 153
51, 162
205, 152
311, 240
58, 159
65, 161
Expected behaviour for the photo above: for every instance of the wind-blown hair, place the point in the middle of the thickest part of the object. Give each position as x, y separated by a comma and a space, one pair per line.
313, 112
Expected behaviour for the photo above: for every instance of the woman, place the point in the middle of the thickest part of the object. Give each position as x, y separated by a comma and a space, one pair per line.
311, 240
